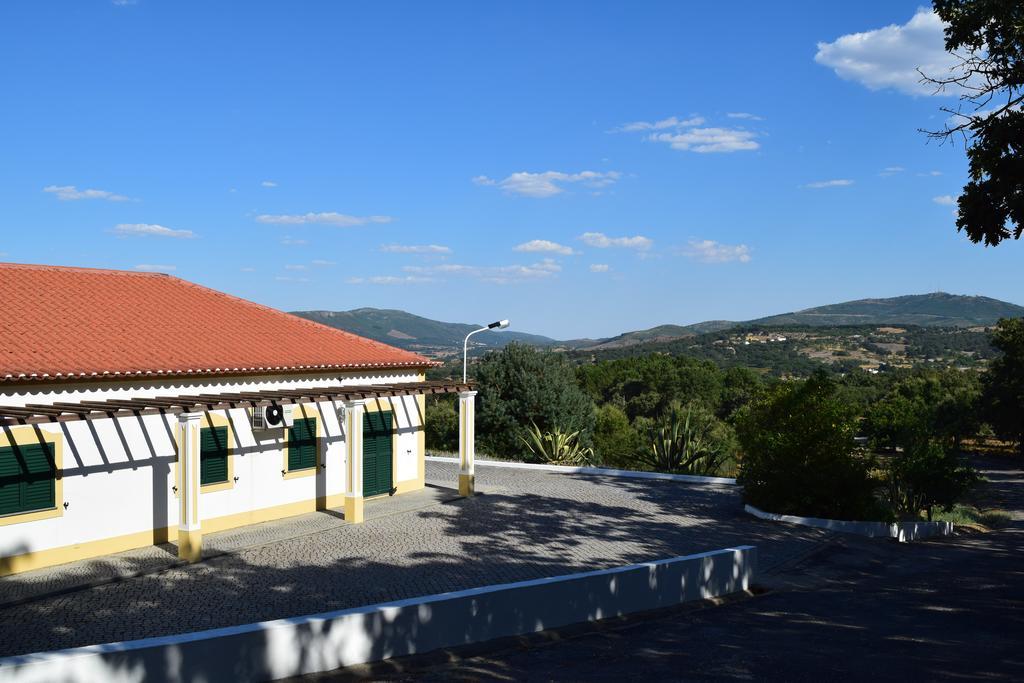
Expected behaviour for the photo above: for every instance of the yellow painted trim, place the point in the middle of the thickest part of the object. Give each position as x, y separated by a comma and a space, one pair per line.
190, 545
467, 485
354, 509
26, 436
214, 419
302, 412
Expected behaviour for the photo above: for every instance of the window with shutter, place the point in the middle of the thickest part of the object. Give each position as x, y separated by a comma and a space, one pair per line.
302, 451
27, 477
213, 455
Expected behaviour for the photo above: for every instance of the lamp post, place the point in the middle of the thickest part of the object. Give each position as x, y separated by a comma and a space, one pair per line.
499, 325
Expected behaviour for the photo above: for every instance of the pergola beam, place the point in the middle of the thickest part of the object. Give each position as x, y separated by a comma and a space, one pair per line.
62, 411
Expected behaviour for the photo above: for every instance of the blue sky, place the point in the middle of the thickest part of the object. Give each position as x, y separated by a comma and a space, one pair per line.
581, 168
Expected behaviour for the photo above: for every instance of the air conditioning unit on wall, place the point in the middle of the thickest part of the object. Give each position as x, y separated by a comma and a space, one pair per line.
271, 417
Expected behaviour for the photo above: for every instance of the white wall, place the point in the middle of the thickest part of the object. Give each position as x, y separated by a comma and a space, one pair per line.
118, 474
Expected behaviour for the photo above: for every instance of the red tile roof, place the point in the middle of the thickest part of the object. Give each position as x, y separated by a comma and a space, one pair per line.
59, 323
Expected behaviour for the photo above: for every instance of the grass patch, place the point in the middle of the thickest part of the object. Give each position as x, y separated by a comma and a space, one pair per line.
970, 515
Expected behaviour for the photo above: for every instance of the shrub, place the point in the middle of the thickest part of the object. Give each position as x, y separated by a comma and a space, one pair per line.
616, 442
557, 447
799, 456
925, 477
690, 442
441, 430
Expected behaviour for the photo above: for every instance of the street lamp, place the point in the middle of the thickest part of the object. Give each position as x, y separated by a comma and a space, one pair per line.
499, 325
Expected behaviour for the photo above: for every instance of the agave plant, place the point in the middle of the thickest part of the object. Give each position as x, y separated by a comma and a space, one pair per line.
557, 447
683, 444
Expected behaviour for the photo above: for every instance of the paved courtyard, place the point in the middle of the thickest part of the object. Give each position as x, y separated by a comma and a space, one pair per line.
524, 525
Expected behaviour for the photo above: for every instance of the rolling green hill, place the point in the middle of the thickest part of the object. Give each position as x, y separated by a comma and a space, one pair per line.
414, 332
440, 339
927, 310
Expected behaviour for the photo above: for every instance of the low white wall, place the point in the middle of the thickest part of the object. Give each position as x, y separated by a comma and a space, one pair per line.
304, 645
901, 531
119, 474
601, 471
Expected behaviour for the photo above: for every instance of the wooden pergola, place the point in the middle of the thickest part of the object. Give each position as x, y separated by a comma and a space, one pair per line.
188, 411
39, 413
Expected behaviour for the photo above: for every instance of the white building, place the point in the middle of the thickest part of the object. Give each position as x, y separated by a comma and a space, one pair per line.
130, 411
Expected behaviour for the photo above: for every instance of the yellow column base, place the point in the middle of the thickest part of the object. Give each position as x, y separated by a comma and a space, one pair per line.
353, 509
467, 485
190, 545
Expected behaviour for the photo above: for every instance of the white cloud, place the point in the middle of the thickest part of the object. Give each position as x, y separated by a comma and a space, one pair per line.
545, 245
744, 115
295, 266
670, 122
415, 249
156, 268
688, 135
891, 170
124, 3
709, 251
599, 267
931, 173
495, 274
325, 218
888, 57
70, 193
945, 200
548, 183
602, 241
268, 183
389, 280
150, 230
820, 184
322, 262
709, 140
290, 241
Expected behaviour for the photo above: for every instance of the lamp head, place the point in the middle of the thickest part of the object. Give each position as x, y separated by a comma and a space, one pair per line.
500, 325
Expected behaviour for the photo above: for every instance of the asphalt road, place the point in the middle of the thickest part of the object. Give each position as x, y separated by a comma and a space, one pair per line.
855, 610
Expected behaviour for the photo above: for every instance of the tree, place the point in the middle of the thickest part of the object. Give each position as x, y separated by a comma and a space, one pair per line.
441, 426
925, 477
988, 38
520, 385
1003, 398
615, 440
799, 455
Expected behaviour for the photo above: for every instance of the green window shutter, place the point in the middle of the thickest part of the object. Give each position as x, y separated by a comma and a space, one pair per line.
213, 455
27, 476
302, 449
377, 452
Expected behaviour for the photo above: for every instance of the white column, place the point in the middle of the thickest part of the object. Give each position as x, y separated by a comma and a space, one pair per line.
467, 442
190, 531
354, 411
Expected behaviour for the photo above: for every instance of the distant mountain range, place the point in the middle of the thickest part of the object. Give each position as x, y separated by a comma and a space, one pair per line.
439, 339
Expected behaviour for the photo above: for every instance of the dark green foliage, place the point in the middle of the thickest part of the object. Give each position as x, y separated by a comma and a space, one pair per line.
923, 405
988, 35
646, 386
799, 455
442, 423
616, 442
1004, 383
925, 477
519, 385
688, 440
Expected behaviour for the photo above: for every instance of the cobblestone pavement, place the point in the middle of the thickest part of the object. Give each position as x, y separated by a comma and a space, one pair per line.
857, 610
525, 525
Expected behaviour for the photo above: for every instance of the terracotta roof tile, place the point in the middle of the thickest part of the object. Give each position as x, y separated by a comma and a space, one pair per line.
58, 322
